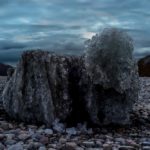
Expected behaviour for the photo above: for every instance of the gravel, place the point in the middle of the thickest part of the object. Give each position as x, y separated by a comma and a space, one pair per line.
20, 136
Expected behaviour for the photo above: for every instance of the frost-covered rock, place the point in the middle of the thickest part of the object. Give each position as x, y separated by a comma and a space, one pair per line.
43, 87
99, 88
114, 77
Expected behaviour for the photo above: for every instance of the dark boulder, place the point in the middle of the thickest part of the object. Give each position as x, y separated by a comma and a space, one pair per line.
100, 87
114, 76
44, 87
144, 66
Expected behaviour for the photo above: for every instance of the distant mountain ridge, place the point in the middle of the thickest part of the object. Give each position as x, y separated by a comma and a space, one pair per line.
144, 66
4, 68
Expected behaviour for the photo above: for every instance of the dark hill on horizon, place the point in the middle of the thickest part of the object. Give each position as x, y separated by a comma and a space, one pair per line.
3, 69
144, 66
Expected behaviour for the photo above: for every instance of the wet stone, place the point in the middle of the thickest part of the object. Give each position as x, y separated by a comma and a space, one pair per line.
89, 144
42, 148
48, 131
127, 148
146, 148
146, 143
23, 137
44, 140
17, 146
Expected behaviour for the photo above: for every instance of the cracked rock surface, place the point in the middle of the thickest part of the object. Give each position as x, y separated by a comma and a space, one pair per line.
46, 86
99, 87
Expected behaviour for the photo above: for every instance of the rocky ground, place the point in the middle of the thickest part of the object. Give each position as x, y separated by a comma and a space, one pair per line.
20, 136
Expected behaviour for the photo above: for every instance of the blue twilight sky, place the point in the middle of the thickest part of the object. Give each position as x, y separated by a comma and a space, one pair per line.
64, 25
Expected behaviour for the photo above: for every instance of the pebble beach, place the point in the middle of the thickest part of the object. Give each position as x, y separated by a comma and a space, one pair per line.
20, 136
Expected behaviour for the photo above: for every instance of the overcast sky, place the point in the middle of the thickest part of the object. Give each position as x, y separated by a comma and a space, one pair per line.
64, 25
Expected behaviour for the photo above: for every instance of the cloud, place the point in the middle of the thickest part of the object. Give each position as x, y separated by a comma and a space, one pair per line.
63, 25
7, 45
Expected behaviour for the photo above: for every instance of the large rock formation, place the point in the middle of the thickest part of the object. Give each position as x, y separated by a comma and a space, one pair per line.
44, 87
144, 66
100, 87
114, 87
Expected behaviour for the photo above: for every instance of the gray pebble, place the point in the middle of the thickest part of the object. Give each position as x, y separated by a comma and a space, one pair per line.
48, 131
17, 146
42, 148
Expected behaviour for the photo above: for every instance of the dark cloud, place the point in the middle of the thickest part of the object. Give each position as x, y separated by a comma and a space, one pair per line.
10, 56
7, 45
64, 25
